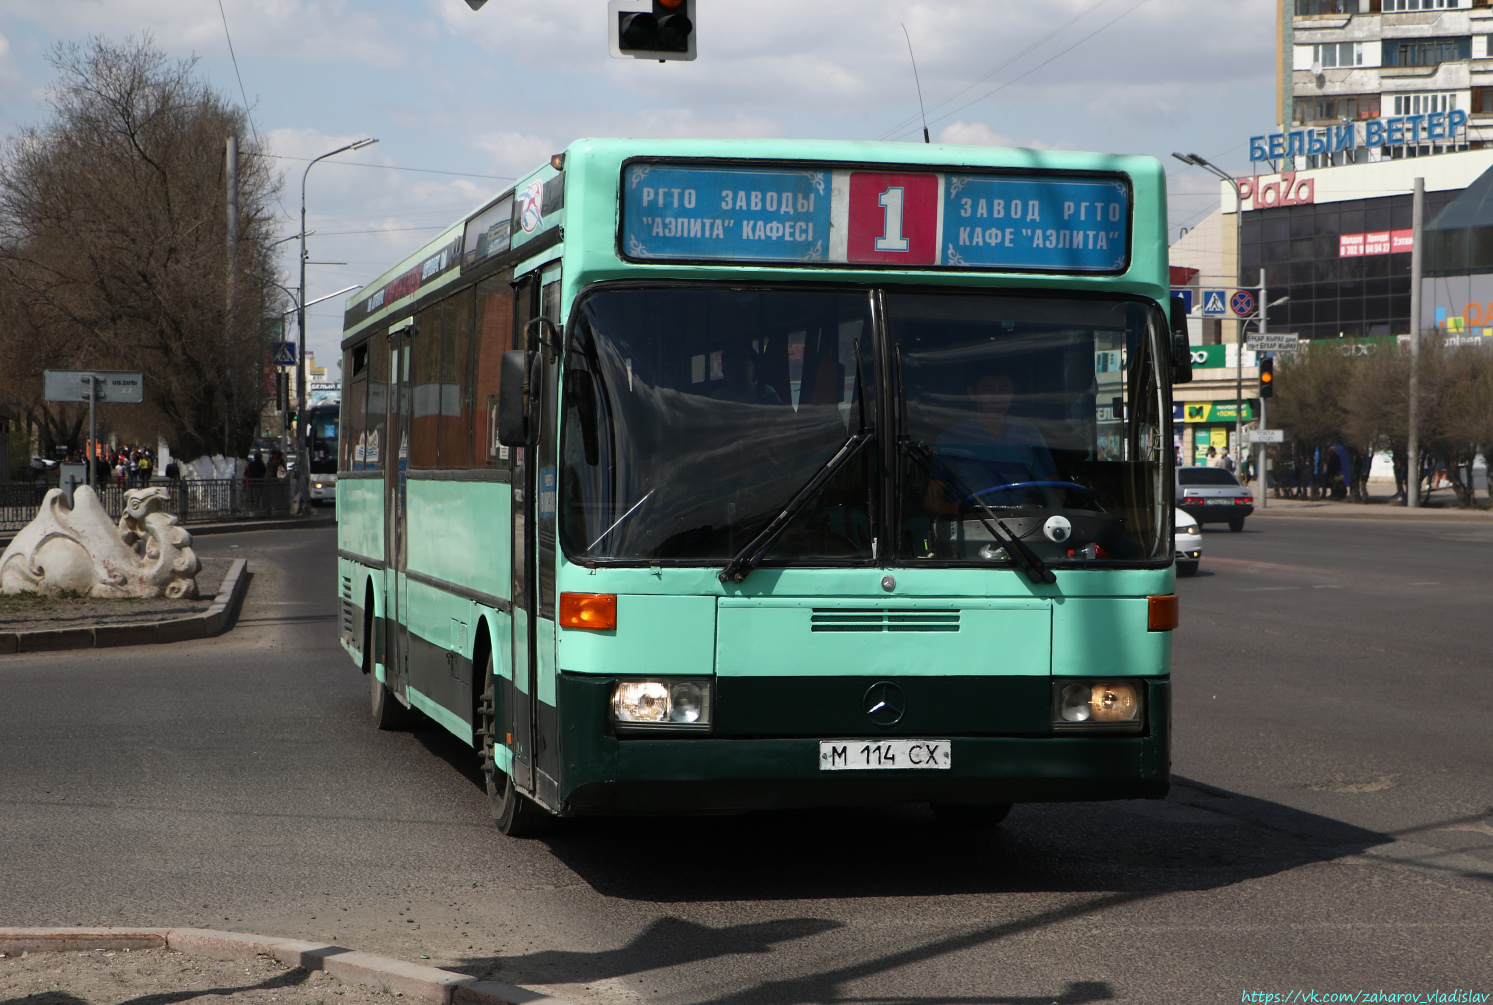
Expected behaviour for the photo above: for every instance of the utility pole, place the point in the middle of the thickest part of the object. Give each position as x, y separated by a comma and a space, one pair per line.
1412, 472
1260, 464
230, 407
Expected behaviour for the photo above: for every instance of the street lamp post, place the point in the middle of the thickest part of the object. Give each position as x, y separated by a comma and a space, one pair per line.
1194, 160
303, 457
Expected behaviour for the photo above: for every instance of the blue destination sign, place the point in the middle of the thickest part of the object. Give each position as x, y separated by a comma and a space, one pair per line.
1016, 222
757, 215
888, 217
1412, 130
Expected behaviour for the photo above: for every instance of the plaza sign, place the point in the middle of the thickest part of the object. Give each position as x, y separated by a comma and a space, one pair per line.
1402, 130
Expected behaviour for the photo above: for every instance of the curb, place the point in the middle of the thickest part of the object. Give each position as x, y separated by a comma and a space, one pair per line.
1465, 516
429, 983
213, 621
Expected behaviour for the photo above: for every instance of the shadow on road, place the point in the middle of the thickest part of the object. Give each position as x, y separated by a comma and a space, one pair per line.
1108, 854
1198, 838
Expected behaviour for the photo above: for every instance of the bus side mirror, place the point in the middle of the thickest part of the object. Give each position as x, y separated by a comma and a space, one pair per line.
514, 427
1181, 348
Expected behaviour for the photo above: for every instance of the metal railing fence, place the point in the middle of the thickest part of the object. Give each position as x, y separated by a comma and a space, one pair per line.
193, 500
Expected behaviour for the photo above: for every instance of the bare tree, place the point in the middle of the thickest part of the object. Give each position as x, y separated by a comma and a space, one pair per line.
1312, 403
113, 247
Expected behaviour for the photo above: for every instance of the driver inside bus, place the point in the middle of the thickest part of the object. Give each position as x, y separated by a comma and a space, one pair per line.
989, 447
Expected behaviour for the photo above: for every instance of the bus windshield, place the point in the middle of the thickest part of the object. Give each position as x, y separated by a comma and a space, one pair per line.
323, 423
693, 415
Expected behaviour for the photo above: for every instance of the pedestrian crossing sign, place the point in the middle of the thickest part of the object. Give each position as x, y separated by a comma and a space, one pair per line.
284, 354
1215, 305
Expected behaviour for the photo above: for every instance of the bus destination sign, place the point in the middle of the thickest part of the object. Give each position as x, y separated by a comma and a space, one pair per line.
761, 214
909, 218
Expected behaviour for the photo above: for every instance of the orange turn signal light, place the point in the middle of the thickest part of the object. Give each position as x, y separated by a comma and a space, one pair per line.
588, 610
1161, 613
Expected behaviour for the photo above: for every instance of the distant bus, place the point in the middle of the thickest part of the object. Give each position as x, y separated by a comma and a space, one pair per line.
705, 476
323, 419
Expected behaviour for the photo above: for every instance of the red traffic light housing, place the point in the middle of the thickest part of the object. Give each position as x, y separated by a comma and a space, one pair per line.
1267, 378
652, 29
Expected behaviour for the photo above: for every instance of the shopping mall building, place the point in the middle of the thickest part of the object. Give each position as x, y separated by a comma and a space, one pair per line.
1335, 242
1370, 95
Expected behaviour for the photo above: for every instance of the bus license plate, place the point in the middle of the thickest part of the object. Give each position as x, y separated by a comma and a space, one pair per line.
882, 755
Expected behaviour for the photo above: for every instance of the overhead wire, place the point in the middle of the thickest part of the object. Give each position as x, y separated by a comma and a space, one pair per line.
393, 167
1022, 76
900, 126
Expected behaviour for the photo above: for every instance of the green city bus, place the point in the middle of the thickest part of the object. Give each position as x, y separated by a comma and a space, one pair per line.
705, 476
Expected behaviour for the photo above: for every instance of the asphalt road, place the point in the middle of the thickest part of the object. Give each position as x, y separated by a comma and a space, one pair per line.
1329, 826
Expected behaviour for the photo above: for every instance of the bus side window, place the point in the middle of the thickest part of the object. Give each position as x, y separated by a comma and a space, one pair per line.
494, 336
376, 413
456, 382
354, 401
425, 387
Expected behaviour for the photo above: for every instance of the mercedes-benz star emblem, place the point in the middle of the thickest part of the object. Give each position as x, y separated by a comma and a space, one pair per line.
885, 703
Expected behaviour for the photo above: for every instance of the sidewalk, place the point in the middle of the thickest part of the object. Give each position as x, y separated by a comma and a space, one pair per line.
164, 980
1442, 508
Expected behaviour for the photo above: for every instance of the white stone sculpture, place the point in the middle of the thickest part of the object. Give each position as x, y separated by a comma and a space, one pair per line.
77, 548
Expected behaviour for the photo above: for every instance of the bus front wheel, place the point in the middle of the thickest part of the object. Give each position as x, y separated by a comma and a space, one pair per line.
970, 816
514, 813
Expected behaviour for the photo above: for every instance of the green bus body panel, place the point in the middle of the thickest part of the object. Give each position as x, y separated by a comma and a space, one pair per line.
654, 635
460, 532
544, 651
360, 517
1107, 637
818, 637
440, 618
865, 583
439, 714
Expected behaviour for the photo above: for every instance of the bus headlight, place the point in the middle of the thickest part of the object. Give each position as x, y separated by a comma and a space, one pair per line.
1102, 705
644, 704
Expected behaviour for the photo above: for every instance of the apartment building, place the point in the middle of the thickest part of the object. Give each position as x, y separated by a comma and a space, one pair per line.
1406, 78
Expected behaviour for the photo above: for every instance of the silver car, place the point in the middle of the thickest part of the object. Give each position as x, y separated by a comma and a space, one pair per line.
1214, 495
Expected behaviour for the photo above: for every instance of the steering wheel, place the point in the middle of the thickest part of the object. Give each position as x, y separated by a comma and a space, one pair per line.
1067, 486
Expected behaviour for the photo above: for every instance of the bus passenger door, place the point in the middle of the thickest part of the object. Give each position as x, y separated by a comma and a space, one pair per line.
523, 686
396, 634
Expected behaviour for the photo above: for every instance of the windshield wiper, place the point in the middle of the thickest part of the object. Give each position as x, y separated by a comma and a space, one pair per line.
1029, 561
749, 557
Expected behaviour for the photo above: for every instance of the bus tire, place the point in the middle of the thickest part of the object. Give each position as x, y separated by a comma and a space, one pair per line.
515, 813
970, 816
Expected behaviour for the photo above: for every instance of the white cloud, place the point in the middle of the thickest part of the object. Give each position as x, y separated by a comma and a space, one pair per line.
516, 154
977, 134
498, 90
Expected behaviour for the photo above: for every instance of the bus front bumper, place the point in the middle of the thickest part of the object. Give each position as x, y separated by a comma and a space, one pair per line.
698, 774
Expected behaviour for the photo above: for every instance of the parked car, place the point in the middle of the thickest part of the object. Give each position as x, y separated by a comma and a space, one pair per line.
1214, 495
1189, 537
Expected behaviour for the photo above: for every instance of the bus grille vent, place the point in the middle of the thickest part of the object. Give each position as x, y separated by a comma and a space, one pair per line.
874, 619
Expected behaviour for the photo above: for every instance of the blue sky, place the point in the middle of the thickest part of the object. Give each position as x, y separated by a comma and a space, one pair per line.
489, 94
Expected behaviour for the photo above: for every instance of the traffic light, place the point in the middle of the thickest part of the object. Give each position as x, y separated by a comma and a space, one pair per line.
1267, 377
652, 29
